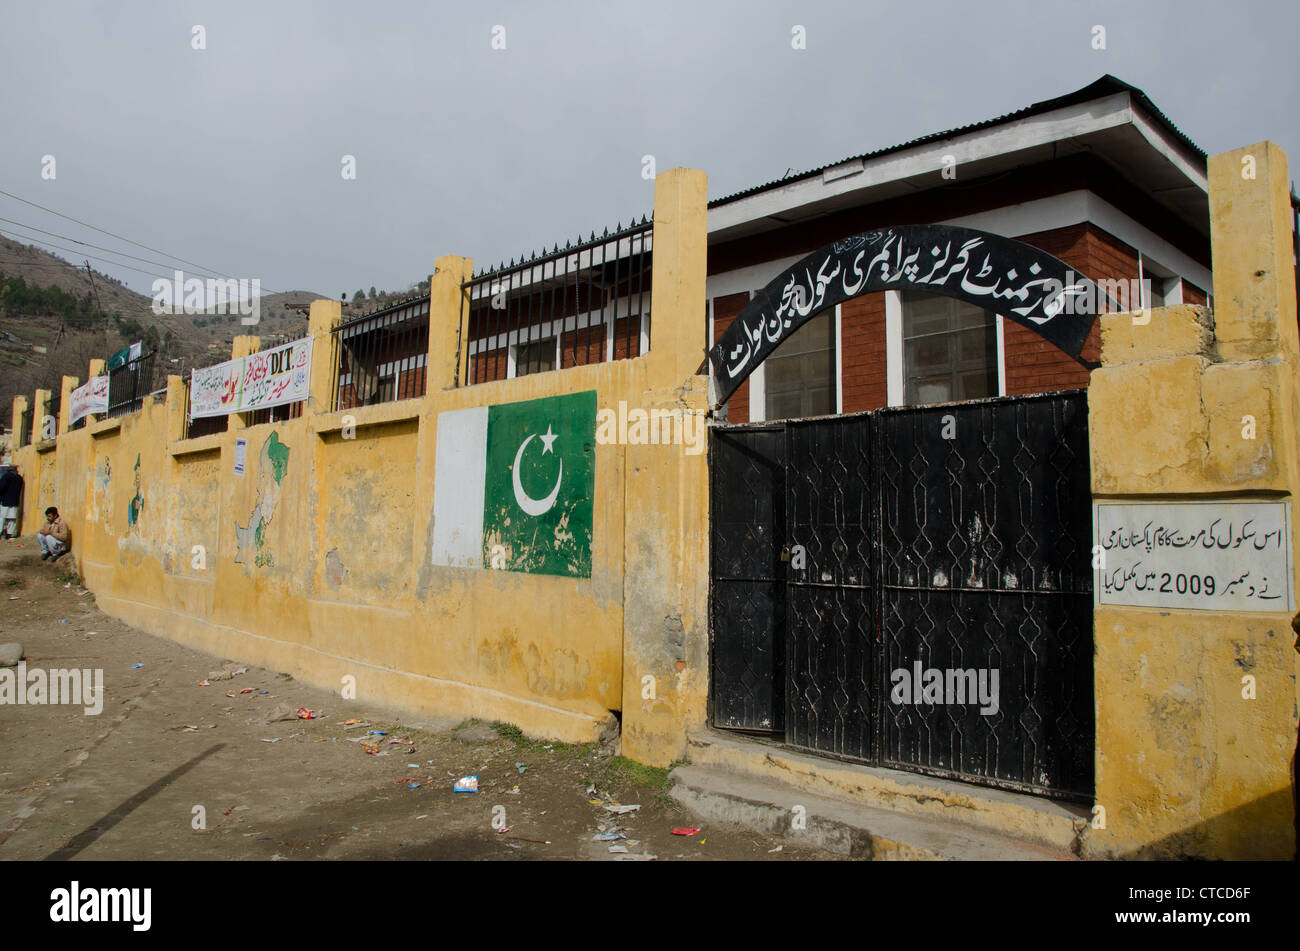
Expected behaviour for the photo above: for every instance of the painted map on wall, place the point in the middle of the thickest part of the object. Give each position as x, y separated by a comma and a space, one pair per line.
272, 464
514, 486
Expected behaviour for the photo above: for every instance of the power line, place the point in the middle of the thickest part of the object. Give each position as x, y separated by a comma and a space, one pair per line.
93, 257
86, 224
56, 263
87, 244
119, 237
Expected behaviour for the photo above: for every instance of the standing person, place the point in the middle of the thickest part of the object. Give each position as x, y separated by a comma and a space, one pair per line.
11, 495
53, 536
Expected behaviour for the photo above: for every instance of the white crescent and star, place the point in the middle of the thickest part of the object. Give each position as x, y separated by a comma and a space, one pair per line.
530, 505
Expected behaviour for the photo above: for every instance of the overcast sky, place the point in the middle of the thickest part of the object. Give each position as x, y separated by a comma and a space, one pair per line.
231, 156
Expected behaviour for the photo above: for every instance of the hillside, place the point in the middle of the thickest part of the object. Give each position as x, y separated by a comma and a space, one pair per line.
45, 335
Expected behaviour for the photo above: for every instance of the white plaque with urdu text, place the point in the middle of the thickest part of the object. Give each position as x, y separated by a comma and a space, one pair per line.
1207, 556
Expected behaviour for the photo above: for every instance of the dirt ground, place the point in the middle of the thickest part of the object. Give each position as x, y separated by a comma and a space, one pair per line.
129, 782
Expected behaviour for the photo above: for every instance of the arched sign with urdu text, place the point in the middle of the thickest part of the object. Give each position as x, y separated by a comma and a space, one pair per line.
998, 274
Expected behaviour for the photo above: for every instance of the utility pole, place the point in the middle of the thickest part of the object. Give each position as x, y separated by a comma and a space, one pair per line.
95, 290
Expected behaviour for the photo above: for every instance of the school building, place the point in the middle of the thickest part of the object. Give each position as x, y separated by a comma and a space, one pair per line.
993, 530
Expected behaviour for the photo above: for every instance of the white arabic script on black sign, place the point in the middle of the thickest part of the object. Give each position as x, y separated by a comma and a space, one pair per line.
1002, 275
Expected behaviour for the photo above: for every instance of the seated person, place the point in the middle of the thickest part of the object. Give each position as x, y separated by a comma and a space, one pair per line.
53, 536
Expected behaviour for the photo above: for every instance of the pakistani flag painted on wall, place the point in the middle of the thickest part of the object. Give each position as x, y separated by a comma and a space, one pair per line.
514, 484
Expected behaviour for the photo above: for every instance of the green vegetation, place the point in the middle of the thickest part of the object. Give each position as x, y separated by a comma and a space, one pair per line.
132, 329
19, 297
630, 771
508, 731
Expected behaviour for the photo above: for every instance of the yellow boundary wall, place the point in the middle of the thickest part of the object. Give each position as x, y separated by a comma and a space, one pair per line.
339, 581
1187, 765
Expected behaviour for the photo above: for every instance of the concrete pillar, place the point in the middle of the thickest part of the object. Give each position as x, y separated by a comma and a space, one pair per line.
96, 369
447, 305
242, 346
665, 547
678, 272
20, 438
43, 425
70, 383
1254, 272
323, 317
177, 408
1196, 702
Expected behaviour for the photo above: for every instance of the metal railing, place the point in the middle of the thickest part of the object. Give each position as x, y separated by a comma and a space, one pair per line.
23, 434
276, 414
38, 425
204, 425
380, 356
584, 303
129, 384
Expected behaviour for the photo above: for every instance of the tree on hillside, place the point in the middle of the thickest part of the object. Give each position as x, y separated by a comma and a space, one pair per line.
359, 295
372, 292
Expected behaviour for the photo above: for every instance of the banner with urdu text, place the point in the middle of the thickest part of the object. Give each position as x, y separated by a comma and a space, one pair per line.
268, 378
90, 398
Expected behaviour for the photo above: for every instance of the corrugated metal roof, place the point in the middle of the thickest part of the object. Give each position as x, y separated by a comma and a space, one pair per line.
1106, 86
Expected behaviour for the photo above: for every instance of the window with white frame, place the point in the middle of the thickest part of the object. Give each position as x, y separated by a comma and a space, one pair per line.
799, 377
950, 350
1160, 286
537, 356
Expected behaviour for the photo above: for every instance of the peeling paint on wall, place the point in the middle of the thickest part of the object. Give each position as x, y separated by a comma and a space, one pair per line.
101, 500
335, 572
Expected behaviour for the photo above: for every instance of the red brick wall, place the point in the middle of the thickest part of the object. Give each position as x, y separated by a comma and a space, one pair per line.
1193, 294
589, 344
627, 337
489, 365
862, 332
410, 383
725, 310
1032, 364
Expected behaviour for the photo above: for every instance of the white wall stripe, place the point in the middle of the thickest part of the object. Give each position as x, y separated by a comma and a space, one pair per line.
893, 348
459, 473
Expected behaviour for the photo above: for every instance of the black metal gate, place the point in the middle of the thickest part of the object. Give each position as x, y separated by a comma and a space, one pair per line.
911, 587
